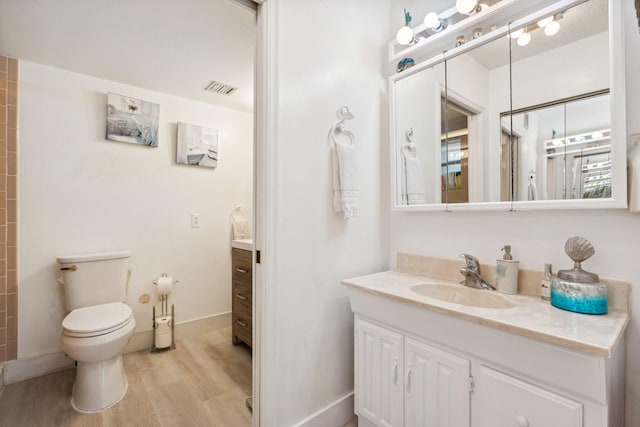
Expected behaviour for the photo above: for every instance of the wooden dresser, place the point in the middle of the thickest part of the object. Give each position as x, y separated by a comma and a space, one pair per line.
242, 301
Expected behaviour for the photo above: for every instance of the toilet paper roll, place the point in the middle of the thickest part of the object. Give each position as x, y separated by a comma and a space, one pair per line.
165, 285
163, 332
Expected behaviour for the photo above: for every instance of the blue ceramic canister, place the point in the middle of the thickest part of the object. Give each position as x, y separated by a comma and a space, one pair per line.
578, 290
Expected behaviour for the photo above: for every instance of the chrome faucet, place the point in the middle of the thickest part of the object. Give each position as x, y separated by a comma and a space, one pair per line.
472, 262
471, 273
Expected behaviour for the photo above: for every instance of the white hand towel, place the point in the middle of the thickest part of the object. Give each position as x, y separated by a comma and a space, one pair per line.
345, 188
414, 177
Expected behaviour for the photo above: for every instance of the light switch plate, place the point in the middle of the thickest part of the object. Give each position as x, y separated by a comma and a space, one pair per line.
195, 220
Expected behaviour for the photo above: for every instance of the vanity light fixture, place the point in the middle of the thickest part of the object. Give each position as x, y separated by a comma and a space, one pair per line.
405, 34
433, 21
546, 21
596, 135
516, 34
468, 7
524, 39
552, 28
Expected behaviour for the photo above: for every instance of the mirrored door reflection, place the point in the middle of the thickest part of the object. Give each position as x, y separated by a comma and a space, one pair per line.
417, 136
559, 152
560, 108
477, 91
454, 153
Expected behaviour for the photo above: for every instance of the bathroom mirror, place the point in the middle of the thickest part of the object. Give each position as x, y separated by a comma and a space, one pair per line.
561, 151
519, 120
417, 136
474, 94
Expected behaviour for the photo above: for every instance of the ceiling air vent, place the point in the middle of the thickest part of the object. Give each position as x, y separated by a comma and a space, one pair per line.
220, 88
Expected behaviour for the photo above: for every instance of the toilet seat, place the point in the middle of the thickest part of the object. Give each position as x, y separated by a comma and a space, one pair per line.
97, 320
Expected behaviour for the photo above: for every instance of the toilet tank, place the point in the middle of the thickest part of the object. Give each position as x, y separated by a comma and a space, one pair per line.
94, 278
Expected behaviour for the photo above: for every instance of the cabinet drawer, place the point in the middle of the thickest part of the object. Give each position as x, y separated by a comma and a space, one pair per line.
241, 292
240, 305
240, 277
241, 261
508, 401
241, 328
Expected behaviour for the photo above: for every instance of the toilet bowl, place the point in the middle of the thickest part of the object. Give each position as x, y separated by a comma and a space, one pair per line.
95, 336
98, 326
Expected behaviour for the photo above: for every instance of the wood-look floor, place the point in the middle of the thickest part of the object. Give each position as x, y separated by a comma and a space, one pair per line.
203, 382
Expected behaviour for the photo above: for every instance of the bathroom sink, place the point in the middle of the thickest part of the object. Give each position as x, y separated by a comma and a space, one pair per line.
464, 296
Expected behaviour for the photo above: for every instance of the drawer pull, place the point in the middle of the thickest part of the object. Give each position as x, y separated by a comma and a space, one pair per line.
242, 297
407, 379
394, 372
241, 323
241, 270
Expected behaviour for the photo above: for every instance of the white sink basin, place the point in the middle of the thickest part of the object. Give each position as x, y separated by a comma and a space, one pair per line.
464, 296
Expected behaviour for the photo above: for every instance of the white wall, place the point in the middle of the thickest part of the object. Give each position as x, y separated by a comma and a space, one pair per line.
329, 53
538, 237
81, 193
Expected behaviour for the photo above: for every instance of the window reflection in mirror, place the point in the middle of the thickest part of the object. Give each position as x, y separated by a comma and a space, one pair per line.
561, 151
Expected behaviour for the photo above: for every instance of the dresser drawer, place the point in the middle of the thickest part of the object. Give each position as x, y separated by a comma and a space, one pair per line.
241, 299
241, 295
241, 328
241, 261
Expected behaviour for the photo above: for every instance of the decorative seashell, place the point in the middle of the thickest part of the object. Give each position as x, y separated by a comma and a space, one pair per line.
579, 249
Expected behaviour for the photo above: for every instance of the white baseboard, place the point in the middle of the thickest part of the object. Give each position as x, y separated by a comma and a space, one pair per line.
142, 340
336, 414
23, 369
31, 367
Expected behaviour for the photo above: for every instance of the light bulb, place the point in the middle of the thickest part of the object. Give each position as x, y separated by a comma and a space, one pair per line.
596, 135
404, 35
466, 7
546, 21
552, 28
517, 33
431, 20
524, 39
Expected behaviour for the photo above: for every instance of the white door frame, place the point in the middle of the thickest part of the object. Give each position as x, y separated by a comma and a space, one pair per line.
265, 177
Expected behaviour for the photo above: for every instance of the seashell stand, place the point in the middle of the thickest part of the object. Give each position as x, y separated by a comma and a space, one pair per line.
578, 290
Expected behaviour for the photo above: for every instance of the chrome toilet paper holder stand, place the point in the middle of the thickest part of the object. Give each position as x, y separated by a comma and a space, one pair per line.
164, 299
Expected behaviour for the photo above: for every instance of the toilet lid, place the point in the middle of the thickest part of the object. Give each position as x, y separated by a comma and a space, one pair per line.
97, 318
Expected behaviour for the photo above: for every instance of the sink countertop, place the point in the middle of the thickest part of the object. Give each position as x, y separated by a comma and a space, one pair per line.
244, 244
531, 317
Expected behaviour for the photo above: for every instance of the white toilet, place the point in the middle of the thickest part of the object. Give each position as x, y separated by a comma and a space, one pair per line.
98, 326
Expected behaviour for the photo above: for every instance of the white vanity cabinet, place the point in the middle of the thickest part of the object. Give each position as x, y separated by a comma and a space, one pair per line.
420, 362
379, 370
401, 381
504, 400
436, 386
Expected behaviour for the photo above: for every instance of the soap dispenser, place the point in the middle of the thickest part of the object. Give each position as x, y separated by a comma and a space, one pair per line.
507, 280
578, 290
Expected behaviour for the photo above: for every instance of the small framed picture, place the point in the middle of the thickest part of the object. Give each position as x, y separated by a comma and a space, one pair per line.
132, 120
197, 145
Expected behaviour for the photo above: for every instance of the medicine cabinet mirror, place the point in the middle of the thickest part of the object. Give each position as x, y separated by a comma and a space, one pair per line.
503, 124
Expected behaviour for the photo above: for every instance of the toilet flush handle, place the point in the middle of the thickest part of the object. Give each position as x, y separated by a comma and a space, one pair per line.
72, 268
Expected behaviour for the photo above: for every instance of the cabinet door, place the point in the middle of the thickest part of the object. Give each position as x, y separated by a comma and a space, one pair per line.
378, 382
507, 401
436, 387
